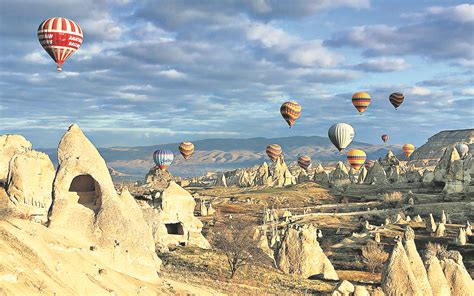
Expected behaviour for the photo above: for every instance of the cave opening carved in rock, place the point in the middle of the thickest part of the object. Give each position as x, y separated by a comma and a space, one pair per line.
87, 190
174, 228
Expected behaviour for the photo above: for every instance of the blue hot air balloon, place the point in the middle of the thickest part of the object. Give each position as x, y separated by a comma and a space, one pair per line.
163, 158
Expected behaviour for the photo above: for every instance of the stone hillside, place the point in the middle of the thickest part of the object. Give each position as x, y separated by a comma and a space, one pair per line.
436, 144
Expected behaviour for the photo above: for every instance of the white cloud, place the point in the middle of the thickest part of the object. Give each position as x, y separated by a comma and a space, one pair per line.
172, 74
313, 54
468, 91
463, 13
269, 36
420, 91
383, 65
37, 57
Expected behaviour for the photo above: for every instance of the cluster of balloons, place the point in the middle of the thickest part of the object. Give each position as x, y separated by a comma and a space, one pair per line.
164, 158
341, 134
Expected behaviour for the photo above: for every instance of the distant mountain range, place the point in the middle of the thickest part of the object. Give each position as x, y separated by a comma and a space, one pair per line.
133, 163
226, 154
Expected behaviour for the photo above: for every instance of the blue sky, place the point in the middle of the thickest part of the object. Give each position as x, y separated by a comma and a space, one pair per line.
154, 72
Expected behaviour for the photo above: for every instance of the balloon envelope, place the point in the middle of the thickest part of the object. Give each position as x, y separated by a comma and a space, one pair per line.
463, 149
356, 158
163, 158
60, 38
341, 135
290, 111
385, 138
186, 149
361, 100
408, 149
369, 163
304, 162
273, 151
396, 99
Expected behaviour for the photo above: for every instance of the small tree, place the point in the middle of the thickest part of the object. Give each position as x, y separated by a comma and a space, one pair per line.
236, 241
374, 256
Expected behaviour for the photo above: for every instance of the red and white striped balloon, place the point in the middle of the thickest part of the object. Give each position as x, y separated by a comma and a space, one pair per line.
60, 37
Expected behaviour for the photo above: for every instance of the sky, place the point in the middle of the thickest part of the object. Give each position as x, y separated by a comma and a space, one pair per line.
153, 72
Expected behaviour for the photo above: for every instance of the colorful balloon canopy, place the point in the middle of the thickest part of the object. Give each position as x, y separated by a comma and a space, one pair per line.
186, 149
163, 158
369, 163
304, 162
341, 135
408, 149
361, 100
290, 111
60, 37
385, 138
356, 158
463, 149
396, 99
273, 151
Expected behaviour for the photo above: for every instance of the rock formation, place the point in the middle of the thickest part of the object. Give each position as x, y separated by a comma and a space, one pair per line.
459, 280
344, 288
438, 283
376, 175
440, 229
30, 182
362, 175
431, 224
86, 205
461, 238
416, 263
158, 178
172, 220
300, 253
320, 175
9, 146
397, 276
340, 176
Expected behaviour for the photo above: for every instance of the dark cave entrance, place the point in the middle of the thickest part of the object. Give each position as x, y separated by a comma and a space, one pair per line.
174, 228
88, 190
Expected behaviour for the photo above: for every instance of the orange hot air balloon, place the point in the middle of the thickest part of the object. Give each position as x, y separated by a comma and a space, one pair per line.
304, 162
361, 100
356, 158
273, 151
60, 37
186, 149
290, 111
408, 149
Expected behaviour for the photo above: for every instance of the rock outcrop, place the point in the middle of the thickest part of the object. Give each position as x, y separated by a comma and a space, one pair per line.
86, 205
376, 175
340, 176
438, 283
157, 178
459, 280
416, 263
30, 182
320, 175
9, 146
299, 253
397, 276
172, 220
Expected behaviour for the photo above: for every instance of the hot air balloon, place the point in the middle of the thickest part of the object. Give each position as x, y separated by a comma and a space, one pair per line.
341, 135
304, 162
369, 163
60, 37
463, 149
361, 100
186, 149
385, 138
273, 151
163, 158
290, 111
408, 149
356, 158
396, 99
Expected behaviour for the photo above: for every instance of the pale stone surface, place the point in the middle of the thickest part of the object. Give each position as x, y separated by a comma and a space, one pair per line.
86, 205
344, 288
158, 178
30, 183
300, 253
173, 222
440, 230
397, 276
340, 176
431, 224
376, 175
9, 146
438, 283
459, 280
416, 263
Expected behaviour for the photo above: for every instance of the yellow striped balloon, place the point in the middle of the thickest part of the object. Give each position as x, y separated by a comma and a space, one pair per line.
361, 100
356, 158
273, 151
304, 162
290, 111
408, 149
186, 149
